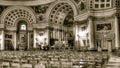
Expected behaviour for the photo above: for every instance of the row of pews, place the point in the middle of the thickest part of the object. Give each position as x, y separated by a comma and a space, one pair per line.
52, 59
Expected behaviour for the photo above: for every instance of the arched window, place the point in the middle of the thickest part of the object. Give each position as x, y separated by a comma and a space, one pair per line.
23, 27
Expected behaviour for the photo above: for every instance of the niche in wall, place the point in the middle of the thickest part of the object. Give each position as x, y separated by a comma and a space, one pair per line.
9, 41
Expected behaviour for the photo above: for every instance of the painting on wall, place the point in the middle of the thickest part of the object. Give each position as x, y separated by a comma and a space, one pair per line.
102, 27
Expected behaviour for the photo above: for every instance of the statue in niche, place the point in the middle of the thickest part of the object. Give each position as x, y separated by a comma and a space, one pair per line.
1, 9
82, 6
77, 1
41, 9
40, 17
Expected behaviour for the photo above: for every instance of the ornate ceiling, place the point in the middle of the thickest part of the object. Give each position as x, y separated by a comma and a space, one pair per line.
25, 2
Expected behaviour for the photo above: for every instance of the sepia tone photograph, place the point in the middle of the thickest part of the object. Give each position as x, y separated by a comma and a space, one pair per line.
59, 34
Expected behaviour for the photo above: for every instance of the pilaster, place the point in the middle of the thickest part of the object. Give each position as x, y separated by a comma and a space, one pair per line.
48, 36
91, 33
28, 40
77, 44
2, 40
117, 37
34, 46
15, 41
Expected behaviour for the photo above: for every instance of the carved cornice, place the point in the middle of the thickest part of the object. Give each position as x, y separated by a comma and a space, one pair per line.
81, 17
103, 18
25, 3
103, 13
96, 14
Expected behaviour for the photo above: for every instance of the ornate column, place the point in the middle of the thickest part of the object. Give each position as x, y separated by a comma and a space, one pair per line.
76, 34
2, 40
15, 41
91, 33
34, 46
48, 36
28, 40
117, 37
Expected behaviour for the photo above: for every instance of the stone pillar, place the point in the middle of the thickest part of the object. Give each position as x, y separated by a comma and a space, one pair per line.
28, 40
48, 36
117, 40
76, 32
15, 41
34, 46
2, 40
77, 44
58, 35
62, 34
91, 33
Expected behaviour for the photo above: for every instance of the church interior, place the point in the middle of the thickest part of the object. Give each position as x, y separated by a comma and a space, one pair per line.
59, 33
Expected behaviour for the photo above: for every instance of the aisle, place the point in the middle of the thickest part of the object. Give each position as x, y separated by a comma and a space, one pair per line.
114, 62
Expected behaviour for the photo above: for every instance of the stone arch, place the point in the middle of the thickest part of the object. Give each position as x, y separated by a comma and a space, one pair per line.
11, 15
22, 19
68, 2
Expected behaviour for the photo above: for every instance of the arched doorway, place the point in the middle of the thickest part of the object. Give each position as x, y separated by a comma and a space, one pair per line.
22, 37
61, 18
13, 18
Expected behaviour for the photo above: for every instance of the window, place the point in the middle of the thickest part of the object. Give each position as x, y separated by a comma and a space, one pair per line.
108, 0
96, 0
107, 5
102, 5
96, 6
82, 6
23, 27
102, 0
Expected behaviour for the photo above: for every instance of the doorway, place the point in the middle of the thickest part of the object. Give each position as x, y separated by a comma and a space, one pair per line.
22, 35
99, 47
109, 43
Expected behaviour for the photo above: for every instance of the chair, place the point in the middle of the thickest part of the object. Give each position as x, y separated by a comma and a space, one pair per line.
54, 64
5, 65
66, 64
99, 63
90, 62
26, 65
15, 65
1, 62
40, 65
